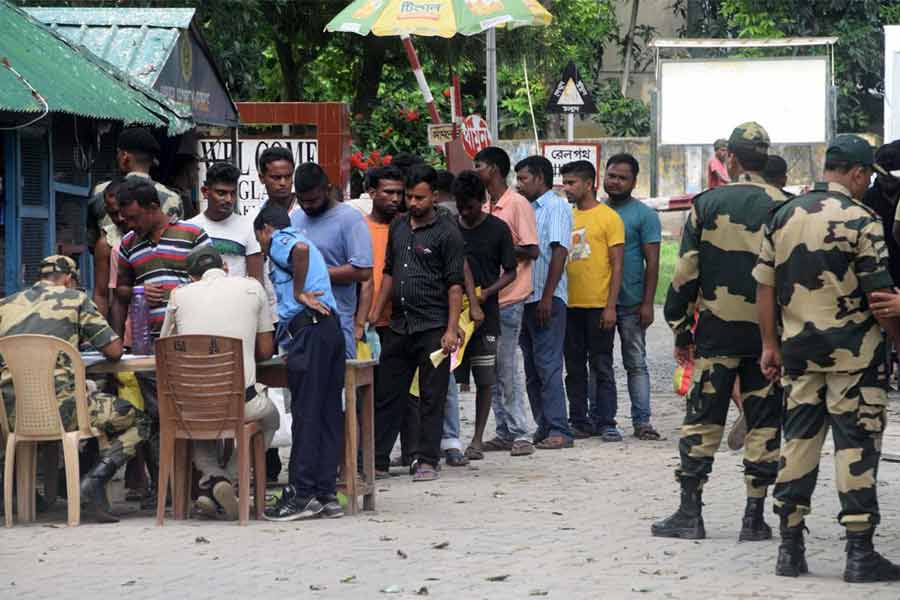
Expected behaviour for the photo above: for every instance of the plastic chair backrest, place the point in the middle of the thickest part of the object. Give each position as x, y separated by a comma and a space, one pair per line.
32, 360
200, 384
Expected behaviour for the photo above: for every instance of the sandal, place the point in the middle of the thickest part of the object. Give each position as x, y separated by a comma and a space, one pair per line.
454, 458
473, 453
425, 472
646, 433
611, 434
521, 448
738, 433
554, 442
497, 445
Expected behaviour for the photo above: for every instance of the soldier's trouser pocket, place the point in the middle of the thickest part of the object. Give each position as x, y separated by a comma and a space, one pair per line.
871, 415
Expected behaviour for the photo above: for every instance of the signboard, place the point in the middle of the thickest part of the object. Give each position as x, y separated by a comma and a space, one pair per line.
476, 135
891, 82
441, 134
251, 192
570, 95
563, 153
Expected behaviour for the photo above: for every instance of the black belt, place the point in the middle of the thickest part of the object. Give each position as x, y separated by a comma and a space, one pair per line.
303, 319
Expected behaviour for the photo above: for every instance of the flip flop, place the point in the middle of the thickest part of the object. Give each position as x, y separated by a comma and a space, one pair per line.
454, 458
497, 445
425, 472
646, 433
554, 442
473, 453
521, 448
738, 433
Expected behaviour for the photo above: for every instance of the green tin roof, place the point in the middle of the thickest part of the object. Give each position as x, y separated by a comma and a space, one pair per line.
73, 80
138, 41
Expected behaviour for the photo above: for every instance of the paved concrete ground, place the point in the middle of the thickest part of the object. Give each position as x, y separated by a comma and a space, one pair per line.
565, 524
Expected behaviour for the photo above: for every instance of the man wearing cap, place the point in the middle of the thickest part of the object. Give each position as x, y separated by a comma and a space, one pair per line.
712, 287
53, 306
136, 152
235, 307
716, 171
822, 258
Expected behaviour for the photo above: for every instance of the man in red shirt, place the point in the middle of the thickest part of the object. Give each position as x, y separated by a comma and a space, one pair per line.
716, 173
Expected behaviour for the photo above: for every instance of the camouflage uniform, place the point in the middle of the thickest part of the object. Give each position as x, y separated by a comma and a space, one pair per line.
70, 315
822, 252
99, 222
719, 248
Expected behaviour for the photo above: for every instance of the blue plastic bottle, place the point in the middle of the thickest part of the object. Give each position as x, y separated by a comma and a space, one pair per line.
139, 313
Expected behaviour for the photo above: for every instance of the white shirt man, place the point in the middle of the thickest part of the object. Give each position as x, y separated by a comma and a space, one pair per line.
236, 307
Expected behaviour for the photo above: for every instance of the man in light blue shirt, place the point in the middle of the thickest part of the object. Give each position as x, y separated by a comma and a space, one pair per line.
544, 318
340, 233
640, 271
310, 332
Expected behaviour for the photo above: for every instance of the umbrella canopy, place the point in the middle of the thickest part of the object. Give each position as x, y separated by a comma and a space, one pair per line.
443, 18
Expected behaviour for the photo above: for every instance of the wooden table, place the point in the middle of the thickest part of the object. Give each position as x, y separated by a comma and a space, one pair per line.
359, 386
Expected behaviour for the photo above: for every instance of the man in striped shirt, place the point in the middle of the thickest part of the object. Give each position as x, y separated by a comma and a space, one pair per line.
154, 255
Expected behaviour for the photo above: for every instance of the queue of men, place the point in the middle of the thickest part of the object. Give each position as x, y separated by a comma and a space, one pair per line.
782, 302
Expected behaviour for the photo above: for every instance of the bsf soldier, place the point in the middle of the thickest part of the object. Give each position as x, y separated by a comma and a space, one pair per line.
53, 306
136, 151
719, 248
823, 256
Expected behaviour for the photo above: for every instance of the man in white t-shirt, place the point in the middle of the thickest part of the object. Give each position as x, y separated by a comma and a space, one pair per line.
236, 307
231, 234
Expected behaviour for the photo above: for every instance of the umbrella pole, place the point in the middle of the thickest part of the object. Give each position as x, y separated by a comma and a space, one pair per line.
413, 59
537, 144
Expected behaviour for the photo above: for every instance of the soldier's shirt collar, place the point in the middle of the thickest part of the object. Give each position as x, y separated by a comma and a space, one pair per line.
832, 187
751, 178
139, 174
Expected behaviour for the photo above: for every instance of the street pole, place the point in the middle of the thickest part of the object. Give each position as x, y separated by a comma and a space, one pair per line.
570, 127
491, 68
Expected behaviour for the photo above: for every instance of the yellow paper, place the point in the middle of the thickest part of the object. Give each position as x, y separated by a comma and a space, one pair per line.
363, 352
467, 327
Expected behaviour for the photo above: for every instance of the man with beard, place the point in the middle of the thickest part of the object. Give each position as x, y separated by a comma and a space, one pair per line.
640, 271
342, 236
423, 276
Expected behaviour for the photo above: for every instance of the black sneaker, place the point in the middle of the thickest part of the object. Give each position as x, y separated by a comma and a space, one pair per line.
331, 508
292, 507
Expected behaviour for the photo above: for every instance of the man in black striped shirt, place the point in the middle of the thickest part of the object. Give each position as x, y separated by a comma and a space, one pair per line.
423, 275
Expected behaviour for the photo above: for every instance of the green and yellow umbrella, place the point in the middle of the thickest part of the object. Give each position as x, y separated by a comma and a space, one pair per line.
442, 18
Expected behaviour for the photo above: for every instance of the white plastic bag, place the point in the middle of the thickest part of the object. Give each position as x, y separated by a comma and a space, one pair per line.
281, 398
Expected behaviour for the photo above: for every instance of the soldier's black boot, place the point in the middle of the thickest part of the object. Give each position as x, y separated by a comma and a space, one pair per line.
687, 522
792, 551
754, 527
93, 490
864, 565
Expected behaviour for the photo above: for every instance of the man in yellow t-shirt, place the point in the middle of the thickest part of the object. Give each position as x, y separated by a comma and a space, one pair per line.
595, 276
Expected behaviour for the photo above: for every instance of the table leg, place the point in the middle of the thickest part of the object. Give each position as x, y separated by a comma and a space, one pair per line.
351, 442
368, 444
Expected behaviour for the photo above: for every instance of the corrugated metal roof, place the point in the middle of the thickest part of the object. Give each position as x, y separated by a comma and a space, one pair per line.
138, 41
73, 80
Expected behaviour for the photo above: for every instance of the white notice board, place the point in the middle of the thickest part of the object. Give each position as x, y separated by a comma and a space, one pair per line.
565, 152
703, 100
891, 83
251, 192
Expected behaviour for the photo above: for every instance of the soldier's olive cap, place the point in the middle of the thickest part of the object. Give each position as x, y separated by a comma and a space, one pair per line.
58, 264
850, 149
750, 135
138, 139
202, 259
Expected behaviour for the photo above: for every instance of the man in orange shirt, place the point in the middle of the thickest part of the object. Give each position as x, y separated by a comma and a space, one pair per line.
385, 187
716, 173
492, 165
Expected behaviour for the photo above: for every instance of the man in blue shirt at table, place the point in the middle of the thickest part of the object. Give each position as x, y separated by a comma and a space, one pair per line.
340, 233
309, 331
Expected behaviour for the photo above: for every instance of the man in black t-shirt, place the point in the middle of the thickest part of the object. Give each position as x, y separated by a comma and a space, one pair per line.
491, 257
882, 197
